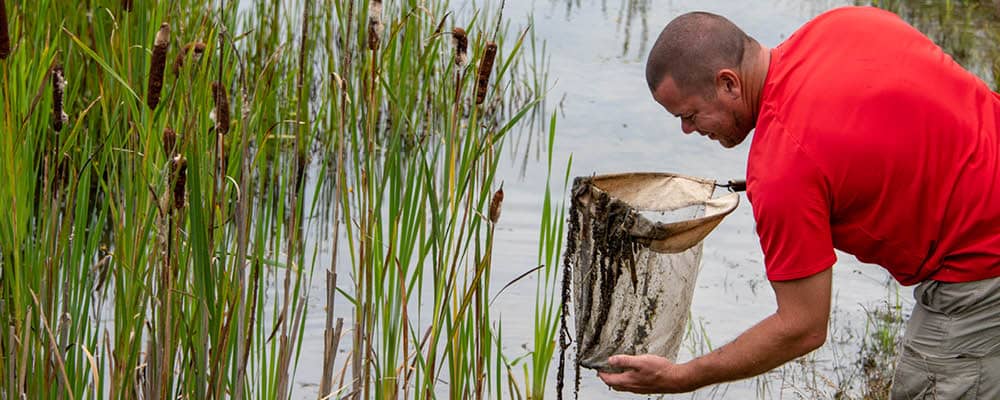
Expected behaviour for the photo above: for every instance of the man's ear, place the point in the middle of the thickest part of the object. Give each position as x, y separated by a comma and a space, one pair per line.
728, 83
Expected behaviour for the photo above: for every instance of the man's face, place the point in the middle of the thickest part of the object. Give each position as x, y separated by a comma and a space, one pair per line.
719, 117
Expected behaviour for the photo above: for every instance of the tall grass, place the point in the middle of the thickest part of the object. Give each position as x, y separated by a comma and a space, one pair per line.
156, 243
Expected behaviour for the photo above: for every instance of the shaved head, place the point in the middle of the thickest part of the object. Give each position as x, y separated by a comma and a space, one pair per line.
692, 48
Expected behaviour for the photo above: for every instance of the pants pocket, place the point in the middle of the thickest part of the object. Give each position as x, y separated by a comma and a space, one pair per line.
922, 377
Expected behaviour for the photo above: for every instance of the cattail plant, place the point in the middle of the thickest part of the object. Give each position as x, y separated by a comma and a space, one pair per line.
178, 171
127, 5
4, 36
221, 112
375, 25
169, 142
485, 69
157, 63
59, 116
194, 49
461, 41
496, 204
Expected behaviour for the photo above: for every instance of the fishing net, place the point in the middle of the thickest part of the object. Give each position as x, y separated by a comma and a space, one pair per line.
634, 246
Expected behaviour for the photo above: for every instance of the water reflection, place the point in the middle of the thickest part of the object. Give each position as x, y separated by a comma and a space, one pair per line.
968, 30
627, 14
630, 13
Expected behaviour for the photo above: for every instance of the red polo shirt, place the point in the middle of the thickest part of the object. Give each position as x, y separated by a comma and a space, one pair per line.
872, 140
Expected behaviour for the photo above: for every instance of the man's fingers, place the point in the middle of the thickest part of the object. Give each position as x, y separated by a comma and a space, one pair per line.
614, 380
622, 361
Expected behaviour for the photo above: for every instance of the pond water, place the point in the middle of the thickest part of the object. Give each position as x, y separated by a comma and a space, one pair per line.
609, 123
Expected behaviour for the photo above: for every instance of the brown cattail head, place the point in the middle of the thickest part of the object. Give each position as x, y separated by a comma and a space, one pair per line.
461, 41
485, 69
221, 108
169, 142
127, 5
195, 49
496, 204
59, 116
375, 26
178, 169
157, 63
4, 35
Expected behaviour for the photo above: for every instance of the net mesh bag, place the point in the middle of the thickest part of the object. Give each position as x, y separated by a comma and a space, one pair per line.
634, 246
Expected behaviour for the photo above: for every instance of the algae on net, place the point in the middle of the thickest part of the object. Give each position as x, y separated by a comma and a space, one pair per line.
597, 226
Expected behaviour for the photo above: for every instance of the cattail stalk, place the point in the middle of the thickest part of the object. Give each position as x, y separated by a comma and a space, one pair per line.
157, 63
59, 117
221, 108
485, 69
127, 5
194, 49
375, 25
4, 35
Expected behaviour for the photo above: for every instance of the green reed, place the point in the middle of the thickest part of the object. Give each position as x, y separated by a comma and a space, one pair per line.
157, 240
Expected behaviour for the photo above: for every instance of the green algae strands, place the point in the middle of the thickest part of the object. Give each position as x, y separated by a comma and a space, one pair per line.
59, 116
221, 108
485, 69
4, 35
194, 49
157, 63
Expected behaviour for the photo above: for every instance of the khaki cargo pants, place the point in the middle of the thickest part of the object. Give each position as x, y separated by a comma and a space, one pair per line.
951, 348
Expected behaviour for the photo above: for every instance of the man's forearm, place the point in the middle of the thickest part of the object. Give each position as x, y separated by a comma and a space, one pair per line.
763, 347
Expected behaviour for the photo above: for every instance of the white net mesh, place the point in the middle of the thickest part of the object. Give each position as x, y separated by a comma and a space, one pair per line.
633, 252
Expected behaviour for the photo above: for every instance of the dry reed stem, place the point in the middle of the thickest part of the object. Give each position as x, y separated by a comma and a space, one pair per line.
221, 108
485, 69
59, 116
375, 25
461, 41
4, 35
157, 63
169, 141
195, 49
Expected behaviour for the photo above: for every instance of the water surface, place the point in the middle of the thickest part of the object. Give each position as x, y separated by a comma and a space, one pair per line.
609, 123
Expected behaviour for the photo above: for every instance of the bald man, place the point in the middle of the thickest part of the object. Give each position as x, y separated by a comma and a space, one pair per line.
868, 139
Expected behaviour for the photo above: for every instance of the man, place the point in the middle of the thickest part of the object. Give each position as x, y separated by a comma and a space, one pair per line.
869, 139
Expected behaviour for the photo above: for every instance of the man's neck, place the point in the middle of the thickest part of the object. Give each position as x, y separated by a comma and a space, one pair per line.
755, 76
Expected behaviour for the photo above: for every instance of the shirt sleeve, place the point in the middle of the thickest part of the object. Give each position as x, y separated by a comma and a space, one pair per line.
792, 209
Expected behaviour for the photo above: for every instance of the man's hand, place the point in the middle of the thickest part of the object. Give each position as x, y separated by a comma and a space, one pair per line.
796, 328
646, 374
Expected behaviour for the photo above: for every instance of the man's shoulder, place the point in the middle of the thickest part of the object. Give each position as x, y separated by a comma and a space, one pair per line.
851, 17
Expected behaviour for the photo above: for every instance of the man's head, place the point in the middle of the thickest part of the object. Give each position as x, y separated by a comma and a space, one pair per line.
697, 70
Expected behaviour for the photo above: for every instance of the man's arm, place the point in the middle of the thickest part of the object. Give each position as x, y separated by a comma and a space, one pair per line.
796, 328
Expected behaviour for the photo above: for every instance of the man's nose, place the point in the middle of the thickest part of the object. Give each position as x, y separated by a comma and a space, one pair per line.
687, 127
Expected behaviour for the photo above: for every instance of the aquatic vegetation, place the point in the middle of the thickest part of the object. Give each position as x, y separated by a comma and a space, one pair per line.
161, 243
